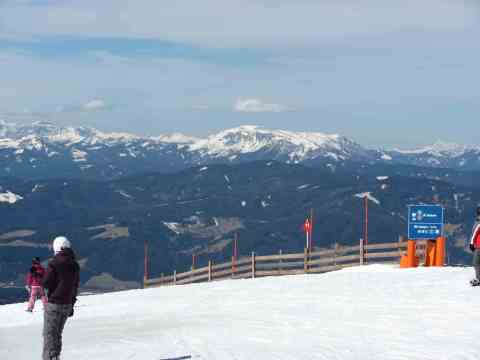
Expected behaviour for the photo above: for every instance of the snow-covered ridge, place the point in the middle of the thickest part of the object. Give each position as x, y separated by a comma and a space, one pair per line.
242, 143
14, 135
440, 149
296, 145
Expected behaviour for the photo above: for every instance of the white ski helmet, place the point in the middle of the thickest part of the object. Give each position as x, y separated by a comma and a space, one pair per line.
60, 242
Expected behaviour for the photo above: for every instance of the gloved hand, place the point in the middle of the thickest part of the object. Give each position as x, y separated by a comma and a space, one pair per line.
27, 288
472, 247
71, 313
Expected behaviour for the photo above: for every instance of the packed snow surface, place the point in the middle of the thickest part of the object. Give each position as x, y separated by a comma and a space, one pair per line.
371, 312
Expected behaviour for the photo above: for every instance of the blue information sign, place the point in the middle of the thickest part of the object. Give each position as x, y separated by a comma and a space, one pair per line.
425, 221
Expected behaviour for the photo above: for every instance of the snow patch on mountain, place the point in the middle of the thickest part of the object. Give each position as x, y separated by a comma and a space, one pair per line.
176, 138
369, 196
301, 187
125, 194
9, 197
79, 156
173, 226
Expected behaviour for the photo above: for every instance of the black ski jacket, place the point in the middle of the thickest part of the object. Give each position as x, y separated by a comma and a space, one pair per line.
62, 278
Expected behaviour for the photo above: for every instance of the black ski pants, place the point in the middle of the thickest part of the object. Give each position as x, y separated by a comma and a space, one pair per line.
54, 318
476, 263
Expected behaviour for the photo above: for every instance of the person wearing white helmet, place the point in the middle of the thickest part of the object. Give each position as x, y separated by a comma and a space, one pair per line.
61, 283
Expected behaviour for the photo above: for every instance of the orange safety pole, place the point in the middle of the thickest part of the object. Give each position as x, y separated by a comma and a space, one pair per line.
410, 260
411, 253
440, 251
430, 253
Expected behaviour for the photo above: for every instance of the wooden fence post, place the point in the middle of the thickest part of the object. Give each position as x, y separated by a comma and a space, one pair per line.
305, 260
209, 270
335, 254
280, 261
174, 277
362, 252
253, 265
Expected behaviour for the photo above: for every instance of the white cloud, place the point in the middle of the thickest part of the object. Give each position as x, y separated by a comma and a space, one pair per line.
257, 105
222, 23
94, 105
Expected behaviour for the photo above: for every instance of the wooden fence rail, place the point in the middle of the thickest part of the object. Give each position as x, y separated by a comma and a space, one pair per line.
291, 264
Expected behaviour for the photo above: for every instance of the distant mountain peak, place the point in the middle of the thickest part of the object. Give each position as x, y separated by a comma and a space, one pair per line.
297, 146
439, 148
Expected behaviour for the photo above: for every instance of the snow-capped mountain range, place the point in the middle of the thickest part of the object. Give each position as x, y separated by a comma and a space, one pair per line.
43, 149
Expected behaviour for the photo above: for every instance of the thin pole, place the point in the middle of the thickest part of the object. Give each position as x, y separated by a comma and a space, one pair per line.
311, 229
145, 265
235, 253
193, 261
366, 222
235, 247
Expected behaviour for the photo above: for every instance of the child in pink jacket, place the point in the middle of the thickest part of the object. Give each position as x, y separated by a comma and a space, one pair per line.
34, 283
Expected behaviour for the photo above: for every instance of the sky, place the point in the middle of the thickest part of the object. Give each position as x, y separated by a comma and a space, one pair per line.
399, 73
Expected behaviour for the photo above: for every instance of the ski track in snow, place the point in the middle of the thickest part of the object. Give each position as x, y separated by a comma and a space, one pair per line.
371, 312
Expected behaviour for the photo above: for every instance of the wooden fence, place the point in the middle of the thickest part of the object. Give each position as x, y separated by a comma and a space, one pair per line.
291, 264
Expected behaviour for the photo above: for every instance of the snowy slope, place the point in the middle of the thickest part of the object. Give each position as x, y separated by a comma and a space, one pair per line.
373, 312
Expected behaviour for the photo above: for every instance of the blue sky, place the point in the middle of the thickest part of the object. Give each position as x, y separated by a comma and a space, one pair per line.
397, 73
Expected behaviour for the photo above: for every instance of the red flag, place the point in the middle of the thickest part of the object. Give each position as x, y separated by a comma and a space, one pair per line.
307, 227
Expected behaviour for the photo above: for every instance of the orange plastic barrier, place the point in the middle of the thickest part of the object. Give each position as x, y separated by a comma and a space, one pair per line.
410, 260
434, 253
440, 251
430, 253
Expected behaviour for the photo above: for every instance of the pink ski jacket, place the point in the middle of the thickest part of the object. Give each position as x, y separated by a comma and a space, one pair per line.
35, 275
